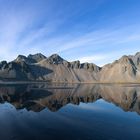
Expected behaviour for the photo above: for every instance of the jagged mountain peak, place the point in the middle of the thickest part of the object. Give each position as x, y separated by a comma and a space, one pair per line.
30, 58
137, 54
56, 56
36, 57
39, 55
136, 59
21, 58
55, 59
124, 59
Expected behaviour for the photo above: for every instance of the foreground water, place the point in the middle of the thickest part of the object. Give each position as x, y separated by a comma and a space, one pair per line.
69, 112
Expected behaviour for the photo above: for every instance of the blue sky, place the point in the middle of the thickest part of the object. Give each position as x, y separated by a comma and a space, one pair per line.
97, 31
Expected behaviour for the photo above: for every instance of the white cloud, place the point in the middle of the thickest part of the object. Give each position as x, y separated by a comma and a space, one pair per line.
92, 58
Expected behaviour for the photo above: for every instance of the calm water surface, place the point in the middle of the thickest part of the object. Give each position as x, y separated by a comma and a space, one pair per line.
69, 112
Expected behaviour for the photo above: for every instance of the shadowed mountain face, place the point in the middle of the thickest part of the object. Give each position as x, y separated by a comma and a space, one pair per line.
38, 67
31, 58
54, 68
36, 97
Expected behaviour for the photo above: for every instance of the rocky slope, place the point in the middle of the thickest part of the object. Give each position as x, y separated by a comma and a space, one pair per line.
122, 70
55, 69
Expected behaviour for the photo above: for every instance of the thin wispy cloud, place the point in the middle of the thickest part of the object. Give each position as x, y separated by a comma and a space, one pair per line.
76, 30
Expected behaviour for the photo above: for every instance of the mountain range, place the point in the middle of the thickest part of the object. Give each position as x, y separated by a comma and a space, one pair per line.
38, 67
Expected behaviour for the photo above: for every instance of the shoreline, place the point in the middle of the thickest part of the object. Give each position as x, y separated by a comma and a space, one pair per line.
35, 82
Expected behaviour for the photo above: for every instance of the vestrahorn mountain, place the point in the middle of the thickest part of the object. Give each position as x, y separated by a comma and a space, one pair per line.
38, 67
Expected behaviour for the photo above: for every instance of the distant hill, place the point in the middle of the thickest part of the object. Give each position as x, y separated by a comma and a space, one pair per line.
38, 67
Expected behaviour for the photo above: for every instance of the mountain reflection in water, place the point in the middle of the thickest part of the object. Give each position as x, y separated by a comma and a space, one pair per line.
69, 112
36, 97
